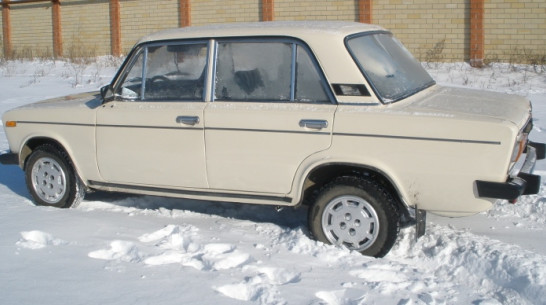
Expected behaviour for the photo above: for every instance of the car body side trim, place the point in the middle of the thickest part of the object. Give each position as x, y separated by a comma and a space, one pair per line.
56, 123
418, 138
466, 141
188, 192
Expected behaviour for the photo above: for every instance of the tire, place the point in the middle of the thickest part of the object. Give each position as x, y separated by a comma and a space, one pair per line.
356, 213
51, 179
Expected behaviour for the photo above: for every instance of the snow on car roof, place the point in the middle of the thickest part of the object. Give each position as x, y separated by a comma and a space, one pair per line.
300, 29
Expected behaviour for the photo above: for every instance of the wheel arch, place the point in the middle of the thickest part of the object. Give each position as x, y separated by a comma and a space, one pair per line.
32, 143
324, 173
30, 146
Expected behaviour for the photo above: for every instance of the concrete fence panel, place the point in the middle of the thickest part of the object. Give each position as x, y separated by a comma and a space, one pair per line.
434, 30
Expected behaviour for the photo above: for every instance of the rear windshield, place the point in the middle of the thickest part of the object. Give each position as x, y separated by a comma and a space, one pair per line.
390, 68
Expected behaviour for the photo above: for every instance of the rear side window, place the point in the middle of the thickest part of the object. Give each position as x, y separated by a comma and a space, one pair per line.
253, 71
273, 71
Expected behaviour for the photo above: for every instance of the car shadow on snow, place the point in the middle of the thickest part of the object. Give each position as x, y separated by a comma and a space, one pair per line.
14, 179
286, 217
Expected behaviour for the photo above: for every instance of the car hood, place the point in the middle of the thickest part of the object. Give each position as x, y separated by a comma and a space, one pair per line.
89, 100
448, 101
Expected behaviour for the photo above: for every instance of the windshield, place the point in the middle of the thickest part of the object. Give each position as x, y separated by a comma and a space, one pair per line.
390, 68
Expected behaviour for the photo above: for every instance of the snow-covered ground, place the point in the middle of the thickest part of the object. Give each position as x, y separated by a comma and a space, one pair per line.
125, 249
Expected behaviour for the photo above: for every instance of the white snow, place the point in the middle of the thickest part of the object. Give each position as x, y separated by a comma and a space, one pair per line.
125, 249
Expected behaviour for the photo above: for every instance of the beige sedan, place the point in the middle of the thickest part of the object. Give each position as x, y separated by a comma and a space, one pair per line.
335, 115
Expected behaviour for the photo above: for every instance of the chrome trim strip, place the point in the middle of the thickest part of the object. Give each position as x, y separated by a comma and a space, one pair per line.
56, 123
418, 138
187, 192
462, 141
268, 131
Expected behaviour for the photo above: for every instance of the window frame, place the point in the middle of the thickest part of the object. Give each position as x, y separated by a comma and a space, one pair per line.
369, 79
294, 43
143, 49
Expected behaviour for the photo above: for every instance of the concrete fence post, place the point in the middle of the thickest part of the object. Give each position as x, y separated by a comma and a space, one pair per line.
115, 27
268, 13
185, 13
6, 29
365, 11
57, 29
477, 36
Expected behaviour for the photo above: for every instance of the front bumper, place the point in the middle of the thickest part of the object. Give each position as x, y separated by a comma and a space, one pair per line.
9, 158
524, 183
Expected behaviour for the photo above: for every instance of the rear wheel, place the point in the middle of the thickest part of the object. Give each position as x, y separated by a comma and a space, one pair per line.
356, 213
51, 179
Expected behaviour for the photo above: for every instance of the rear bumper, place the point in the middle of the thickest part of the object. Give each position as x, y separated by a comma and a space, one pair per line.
9, 158
524, 183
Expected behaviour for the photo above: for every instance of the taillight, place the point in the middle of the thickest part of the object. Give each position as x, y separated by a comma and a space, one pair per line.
519, 147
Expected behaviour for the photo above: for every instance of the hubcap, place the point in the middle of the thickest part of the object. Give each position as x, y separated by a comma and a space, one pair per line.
351, 222
48, 180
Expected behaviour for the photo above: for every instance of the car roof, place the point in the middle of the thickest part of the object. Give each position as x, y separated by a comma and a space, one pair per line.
297, 29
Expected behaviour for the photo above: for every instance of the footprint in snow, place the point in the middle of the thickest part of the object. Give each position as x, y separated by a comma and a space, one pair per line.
379, 274
119, 250
38, 240
261, 287
342, 297
178, 241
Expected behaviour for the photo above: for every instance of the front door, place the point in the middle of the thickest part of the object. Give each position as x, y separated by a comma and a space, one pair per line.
153, 133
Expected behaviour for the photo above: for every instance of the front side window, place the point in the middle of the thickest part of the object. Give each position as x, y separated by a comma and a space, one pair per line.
170, 72
131, 88
391, 69
267, 71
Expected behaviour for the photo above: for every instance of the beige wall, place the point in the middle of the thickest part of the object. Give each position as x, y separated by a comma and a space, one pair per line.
85, 27
1, 39
423, 25
220, 11
436, 30
31, 35
515, 31
140, 18
346, 10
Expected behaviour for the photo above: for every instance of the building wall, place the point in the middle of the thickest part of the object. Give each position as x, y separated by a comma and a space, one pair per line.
220, 11
427, 27
515, 31
1, 38
345, 10
140, 18
31, 36
85, 27
433, 30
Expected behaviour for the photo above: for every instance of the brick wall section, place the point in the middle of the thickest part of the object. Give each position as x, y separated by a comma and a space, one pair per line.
437, 30
221, 11
424, 26
345, 10
515, 31
31, 36
140, 18
85, 26
1, 36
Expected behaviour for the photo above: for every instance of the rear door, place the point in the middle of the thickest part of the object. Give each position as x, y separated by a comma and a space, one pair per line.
271, 110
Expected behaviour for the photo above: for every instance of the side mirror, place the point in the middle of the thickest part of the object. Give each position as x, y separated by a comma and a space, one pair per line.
107, 93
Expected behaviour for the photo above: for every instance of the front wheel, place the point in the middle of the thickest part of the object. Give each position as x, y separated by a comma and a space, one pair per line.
51, 179
356, 213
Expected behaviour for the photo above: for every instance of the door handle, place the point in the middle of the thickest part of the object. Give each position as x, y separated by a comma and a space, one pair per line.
314, 124
187, 120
